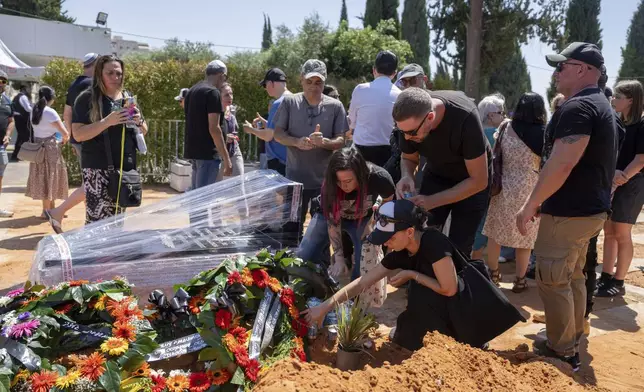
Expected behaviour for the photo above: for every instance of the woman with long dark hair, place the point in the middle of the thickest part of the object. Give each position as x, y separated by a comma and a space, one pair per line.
232, 132
100, 109
47, 179
349, 194
521, 146
628, 183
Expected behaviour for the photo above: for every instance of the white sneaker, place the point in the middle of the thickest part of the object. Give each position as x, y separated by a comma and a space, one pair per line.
502, 259
5, 213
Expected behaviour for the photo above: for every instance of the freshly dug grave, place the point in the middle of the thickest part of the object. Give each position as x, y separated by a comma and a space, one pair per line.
636, 278
442, 365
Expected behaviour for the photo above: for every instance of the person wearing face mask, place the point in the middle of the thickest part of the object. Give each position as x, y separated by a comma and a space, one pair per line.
311, 126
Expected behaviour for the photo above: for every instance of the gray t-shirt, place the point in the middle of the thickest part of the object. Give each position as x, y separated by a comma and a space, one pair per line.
298, 119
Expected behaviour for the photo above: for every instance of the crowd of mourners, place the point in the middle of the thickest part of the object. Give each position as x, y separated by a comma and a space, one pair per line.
430, 177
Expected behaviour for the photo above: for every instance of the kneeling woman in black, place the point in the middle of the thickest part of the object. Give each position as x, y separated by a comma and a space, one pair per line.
423, 257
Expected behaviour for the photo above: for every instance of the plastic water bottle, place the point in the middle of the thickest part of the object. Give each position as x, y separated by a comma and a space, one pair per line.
331, 322
59, 137
140, 142
313, 329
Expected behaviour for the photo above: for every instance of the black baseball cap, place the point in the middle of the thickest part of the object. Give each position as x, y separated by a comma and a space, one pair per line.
580, 51
402, 215
273, 75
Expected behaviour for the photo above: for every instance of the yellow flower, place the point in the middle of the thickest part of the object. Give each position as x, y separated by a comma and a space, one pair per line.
22, 375
115, 346
100, 304
67, 380
178, 383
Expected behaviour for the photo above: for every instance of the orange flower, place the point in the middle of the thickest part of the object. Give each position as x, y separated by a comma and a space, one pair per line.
295, 314
247, 277
92, 367
274, 284
240, 334
299, 343
127, 311
194, 304
113, 306
124, 330
76, 360
178, 383
43, 381
74, 283
63, 309
219, 376
230, 342
142, 371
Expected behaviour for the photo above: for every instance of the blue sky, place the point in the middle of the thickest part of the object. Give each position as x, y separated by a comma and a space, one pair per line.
239, 23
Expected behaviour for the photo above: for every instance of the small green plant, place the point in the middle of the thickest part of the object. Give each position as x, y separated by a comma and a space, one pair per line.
354, 325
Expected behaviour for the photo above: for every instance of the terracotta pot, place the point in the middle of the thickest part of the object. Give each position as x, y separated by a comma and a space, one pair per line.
348, 360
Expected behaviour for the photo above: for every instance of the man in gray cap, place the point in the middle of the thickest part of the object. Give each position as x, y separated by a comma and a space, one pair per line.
81, 83
311, 125
205, 143
6, 129
412, 75
573, 195
181, 98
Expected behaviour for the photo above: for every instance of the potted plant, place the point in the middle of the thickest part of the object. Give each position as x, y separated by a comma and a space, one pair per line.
354, 325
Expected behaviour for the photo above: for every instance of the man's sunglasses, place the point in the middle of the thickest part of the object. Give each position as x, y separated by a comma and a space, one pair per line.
3, 81
415, 131
560, 66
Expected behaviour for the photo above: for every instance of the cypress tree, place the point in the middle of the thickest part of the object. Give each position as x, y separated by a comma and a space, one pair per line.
267, 35
633, 54
415, 30
512, 79
344, 16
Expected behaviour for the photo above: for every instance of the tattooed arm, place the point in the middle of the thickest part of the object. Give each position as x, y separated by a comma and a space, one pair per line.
338, 265
566, 153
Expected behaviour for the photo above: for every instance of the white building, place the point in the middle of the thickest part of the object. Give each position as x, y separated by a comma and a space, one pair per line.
37, 41
122, 46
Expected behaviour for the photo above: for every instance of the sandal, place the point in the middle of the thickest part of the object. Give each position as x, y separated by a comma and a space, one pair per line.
495, 275
520, 285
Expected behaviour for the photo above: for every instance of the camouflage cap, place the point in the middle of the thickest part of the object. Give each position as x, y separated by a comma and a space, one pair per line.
312, 68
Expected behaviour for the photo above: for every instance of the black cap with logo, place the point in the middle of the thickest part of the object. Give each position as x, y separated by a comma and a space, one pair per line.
580, 51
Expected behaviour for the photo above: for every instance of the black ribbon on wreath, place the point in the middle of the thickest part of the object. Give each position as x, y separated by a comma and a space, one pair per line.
233, 299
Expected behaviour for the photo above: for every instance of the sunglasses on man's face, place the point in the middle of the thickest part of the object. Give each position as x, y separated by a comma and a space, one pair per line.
3, 81
560, 66
415, 131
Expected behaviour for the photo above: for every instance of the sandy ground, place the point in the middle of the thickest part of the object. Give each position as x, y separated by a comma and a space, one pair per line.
613, 355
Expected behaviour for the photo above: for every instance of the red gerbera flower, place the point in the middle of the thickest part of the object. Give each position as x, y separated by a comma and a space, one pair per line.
195, 303
219, 376
199, 382
241, 356
260, 277
159, 383
240, 334
63, 309
252, 370
300, 327
287, 297
299, 353
223, 318
43, 381
234, 277
124, 330
75, 283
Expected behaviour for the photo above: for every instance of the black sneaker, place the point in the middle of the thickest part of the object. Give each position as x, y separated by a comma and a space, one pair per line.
541, 348
603, 280
611, 289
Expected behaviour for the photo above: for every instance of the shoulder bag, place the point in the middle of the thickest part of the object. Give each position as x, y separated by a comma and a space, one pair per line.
124, 187
497, 162
479, 311
31, 151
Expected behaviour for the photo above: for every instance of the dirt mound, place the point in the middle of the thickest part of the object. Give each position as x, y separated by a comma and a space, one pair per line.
442, 365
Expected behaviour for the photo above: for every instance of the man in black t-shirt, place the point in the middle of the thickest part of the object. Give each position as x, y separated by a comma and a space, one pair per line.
205, 142
445, 128
573, 193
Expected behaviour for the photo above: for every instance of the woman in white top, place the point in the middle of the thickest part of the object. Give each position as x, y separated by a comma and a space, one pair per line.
47, 179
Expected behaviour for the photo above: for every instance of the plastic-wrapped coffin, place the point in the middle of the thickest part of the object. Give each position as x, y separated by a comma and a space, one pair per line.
170, 241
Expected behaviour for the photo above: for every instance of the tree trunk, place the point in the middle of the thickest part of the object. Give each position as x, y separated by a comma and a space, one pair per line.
473, 54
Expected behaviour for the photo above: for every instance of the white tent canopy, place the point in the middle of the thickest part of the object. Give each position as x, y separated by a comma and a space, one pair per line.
16, 69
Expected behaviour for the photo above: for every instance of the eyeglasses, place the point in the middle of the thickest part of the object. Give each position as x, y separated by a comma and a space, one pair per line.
559, 67
384, 220
3, 81
415, 131
311, 112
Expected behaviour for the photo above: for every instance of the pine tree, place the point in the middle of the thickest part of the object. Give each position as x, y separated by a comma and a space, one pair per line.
415, 30
582, 25
267, 35
633, 53
512, 79
390, 11
344, 16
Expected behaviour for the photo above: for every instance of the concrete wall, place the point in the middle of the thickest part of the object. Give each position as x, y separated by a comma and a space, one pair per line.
37, 41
